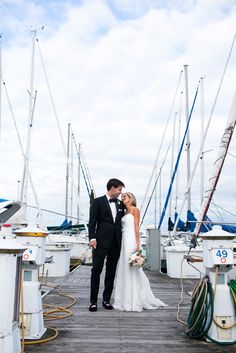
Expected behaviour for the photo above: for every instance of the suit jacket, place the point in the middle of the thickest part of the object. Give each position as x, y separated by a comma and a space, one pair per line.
101, 224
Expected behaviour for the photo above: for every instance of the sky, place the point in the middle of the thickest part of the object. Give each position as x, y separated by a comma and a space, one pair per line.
110, 68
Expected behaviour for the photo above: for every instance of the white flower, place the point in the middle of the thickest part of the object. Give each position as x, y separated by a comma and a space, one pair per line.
136, 259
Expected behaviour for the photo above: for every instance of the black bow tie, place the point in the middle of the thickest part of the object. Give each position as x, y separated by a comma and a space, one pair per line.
113, 200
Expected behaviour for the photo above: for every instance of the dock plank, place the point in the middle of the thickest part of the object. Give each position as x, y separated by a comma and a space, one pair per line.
151, 331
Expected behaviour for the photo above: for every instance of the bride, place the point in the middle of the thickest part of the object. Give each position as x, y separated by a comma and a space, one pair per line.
132, 289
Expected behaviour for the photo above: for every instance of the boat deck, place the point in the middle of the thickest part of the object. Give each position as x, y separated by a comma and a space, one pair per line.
151, 331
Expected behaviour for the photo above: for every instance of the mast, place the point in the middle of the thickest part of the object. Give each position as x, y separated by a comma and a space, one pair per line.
67, 172
32, 99
172, 162
178, 145
160, 193
155, 201
0, 86
202, 137
71, 179
177, 161
78, 188
162, 140
218, 165
188, 133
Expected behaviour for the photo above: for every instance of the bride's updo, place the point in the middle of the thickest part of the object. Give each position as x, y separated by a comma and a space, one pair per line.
132, 198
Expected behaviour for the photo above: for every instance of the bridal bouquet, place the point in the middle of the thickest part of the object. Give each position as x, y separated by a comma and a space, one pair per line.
136, 259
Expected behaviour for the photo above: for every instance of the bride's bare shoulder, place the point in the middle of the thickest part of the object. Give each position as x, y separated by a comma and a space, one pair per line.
135, 210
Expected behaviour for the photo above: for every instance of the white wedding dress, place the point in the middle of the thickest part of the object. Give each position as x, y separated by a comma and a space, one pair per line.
132, 290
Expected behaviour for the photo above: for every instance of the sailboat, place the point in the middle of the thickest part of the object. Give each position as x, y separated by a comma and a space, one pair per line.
68, 236
21, 216
190, 222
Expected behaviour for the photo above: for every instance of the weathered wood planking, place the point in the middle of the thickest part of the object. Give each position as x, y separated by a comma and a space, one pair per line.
152, 331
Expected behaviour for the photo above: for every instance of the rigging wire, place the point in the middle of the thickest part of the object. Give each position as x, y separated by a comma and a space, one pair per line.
87, 170
84, 167
178, 159
53, 212
81, 165
213, 181
223, 209
57, 118
172, 159
154, 187
23, 156
162, 140
207, 225
178, 145
205, 133
216, 213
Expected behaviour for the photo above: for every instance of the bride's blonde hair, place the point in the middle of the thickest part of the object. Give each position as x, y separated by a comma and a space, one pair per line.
132, 198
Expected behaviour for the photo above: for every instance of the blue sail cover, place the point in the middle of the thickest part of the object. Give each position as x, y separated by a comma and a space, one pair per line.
206, 227
170, 224
3, 200
229, 229
191, 221
65, 224
181, 224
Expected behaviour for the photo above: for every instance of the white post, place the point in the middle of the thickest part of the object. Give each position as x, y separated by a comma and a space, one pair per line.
10, 278
33, 239
218, 260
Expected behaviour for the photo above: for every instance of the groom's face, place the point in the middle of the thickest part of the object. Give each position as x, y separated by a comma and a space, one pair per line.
115, 192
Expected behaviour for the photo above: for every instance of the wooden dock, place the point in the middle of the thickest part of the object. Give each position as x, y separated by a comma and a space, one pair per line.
151, 331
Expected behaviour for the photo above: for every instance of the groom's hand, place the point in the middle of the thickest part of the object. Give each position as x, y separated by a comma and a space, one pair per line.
93, 243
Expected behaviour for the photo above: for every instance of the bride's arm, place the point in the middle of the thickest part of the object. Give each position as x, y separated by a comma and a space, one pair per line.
136, 214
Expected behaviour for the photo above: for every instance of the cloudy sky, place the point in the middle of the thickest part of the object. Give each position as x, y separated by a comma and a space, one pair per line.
112, 67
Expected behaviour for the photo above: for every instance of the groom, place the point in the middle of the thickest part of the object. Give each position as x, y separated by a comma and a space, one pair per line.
105, 239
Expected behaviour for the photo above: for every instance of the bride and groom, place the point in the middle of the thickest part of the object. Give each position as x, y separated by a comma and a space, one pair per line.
114, 235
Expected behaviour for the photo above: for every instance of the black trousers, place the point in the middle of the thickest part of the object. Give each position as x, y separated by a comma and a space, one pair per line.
111, 255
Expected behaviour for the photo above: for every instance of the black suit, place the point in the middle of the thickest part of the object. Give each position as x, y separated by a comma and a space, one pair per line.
108, 236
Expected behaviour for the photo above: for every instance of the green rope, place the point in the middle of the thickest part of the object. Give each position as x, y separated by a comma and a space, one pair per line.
232, 287
201, 311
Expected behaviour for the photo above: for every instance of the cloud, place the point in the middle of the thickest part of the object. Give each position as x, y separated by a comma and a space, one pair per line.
112, 67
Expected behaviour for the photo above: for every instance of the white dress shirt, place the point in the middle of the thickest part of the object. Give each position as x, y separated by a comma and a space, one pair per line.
113, 207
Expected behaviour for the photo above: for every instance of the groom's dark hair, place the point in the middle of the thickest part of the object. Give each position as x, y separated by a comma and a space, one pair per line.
114, 182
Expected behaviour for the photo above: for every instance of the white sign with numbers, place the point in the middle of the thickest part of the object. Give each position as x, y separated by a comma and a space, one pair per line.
30, 254
223, 256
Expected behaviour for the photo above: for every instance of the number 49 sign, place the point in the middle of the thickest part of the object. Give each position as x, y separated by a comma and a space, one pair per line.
223, 256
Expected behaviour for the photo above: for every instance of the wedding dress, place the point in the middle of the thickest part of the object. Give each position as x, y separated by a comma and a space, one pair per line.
132, 290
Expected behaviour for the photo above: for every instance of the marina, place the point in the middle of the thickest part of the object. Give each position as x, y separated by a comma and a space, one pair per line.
123, 332
101, 80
